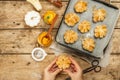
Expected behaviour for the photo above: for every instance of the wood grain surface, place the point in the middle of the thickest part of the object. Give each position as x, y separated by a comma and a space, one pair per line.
22, 67
23, 41
16, 19
17, 41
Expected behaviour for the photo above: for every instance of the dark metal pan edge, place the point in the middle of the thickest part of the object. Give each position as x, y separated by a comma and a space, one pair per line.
62, 20
78, 51
110, 5
105, 3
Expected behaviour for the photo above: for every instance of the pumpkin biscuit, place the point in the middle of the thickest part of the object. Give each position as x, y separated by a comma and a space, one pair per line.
70, 36
84, 26
99, 15
80, 6
63, 62
100, 31
71, 19
88, 44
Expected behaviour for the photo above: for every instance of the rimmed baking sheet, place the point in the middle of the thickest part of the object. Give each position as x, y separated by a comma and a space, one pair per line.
110, 21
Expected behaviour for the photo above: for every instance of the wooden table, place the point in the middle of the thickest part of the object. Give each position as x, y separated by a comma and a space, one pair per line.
17, 41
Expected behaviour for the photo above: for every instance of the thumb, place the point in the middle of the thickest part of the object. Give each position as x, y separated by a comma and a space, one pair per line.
68, 72
57, 71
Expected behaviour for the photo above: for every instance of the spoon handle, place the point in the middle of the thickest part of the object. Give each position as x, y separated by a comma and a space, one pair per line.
52, 25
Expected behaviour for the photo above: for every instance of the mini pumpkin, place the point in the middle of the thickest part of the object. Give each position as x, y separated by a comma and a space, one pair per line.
32, 18
49, 16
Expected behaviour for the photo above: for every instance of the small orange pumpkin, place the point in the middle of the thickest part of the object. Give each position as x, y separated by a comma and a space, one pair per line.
49, 16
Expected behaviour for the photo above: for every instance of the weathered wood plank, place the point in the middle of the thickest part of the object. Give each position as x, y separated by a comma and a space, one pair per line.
19, 41
12, 13
111, 72
16, 19
118, 22
39, 0
115, 1
45, 0
23, 41
23, 67
116, 43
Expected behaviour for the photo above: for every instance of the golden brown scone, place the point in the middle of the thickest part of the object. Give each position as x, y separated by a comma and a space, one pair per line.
70, 36
84, 26
80, 6
100, 31
88, 44
71, 19
63, 62
99, 15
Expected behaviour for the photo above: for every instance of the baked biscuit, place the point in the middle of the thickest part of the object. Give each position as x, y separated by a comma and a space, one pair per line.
99, 15
71, 19
70, 36
84, 26
63, 62
88, 44
80, 6
100, 31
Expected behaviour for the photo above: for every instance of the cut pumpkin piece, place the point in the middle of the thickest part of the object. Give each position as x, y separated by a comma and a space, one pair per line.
36, 4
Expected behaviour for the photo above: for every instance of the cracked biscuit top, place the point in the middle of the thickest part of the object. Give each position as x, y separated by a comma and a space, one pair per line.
70, 36
80, 6
99, 15
88, 44
100, 31
63, 62
84, 26
71, 19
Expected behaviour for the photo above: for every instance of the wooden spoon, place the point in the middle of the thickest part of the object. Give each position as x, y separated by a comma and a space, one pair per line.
51, 26
48, 35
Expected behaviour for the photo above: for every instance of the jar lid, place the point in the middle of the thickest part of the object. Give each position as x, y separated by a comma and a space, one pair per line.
38, 54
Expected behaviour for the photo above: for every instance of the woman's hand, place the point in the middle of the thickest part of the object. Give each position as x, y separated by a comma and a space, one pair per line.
51, 71
75, 71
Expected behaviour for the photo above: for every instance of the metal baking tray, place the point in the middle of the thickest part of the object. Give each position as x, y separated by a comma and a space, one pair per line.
110, 21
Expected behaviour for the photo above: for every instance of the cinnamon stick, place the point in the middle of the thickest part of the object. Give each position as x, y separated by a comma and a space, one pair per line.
56, 3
